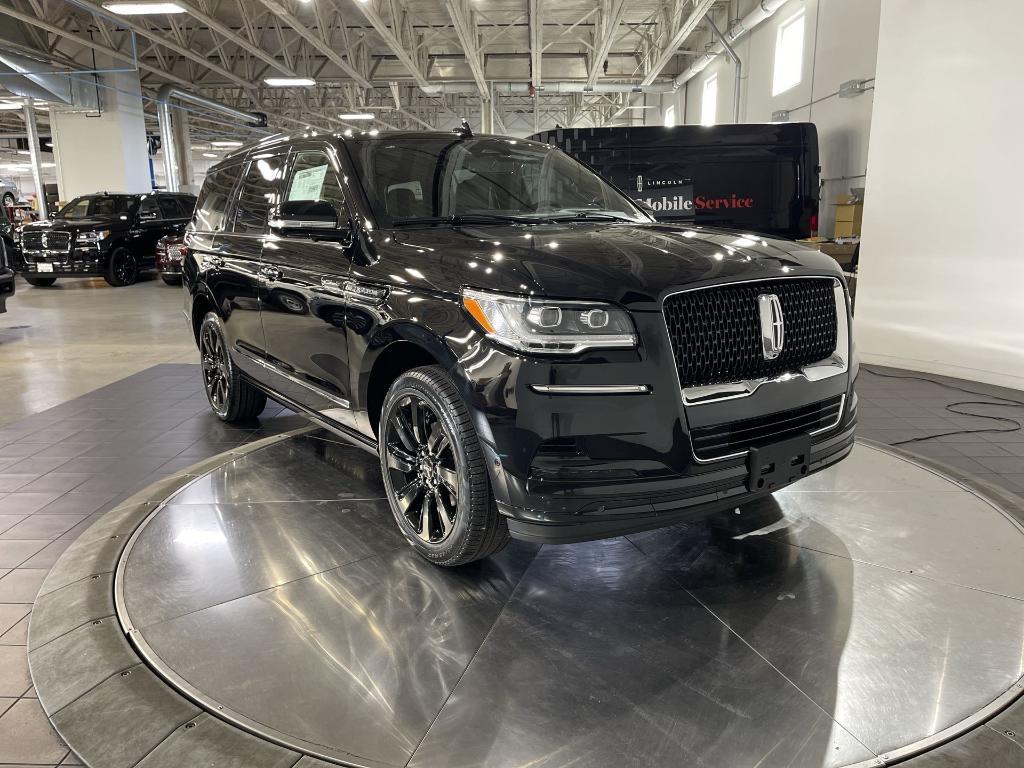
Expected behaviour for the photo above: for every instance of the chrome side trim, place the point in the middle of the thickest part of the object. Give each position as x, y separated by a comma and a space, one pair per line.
591, 389
340, 401
812, 433
834, 365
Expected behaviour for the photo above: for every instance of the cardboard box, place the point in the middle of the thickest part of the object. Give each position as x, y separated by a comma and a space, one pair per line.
842, 253
846, 229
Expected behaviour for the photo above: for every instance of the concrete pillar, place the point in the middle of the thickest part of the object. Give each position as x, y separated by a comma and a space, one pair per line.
105, 152
35, 160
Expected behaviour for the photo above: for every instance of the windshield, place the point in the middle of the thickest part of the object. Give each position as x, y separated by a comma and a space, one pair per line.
96, 205
415, 181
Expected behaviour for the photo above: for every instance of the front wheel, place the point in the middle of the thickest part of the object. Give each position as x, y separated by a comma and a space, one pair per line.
41, 282
435, 473
231, 397
123, 268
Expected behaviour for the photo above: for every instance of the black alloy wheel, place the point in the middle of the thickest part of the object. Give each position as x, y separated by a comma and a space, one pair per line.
421, 461
231, 397
9, 200
123, 268
435, 473
215, 363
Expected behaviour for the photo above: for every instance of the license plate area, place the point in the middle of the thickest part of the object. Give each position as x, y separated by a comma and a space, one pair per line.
773, 466
42, 266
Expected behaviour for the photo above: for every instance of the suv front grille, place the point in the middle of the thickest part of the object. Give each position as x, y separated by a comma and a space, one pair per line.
737, 437
45, 241
716, 332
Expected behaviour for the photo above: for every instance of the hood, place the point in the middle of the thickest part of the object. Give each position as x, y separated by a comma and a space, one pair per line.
632, 265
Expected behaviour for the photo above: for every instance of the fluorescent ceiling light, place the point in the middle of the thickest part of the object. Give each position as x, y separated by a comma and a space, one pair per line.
227, 144
140, 9
210, 154
357, 116
285, 82
9, 105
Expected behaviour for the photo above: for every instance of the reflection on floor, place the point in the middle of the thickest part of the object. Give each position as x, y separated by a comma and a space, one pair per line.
59, 468
766, 638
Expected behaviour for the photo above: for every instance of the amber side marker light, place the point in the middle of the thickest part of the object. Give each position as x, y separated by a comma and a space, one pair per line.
473, 307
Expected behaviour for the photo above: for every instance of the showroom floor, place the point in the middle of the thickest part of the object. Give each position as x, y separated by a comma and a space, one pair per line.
81, 429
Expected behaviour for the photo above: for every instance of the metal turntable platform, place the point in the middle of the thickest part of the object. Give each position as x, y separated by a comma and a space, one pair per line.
868, 614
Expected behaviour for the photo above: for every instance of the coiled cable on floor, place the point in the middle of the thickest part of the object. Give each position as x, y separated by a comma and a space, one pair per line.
1005, 402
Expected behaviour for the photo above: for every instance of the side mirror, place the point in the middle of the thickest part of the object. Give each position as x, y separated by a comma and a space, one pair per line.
306, 217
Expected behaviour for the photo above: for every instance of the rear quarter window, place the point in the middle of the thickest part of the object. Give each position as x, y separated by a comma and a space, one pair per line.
215, 198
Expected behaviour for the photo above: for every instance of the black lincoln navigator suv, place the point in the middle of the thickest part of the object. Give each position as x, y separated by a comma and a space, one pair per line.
112, 236
527, 351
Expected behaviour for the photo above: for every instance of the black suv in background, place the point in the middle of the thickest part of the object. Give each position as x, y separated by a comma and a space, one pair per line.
526, 350
109, 235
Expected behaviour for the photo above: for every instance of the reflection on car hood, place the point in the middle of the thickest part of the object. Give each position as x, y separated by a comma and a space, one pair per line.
635, 265
93, 222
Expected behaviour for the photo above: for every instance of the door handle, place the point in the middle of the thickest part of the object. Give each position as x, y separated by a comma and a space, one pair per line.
270, 273
330, 284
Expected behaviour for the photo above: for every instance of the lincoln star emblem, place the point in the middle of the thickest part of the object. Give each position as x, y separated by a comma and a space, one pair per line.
773, 326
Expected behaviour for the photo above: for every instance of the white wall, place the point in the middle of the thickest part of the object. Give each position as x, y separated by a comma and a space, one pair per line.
840, 42
941, 284
108, 152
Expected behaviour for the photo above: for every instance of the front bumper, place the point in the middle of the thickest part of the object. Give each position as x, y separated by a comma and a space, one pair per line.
579, 465
78, 262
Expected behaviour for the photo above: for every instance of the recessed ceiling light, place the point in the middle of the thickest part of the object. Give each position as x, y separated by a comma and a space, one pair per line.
357, 116
140, 9
226, 144
285, 82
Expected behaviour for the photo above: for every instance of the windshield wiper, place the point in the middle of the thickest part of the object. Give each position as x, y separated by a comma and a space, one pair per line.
571, 215
459, 219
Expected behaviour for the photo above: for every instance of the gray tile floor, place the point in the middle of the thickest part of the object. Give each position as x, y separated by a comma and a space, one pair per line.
60, 469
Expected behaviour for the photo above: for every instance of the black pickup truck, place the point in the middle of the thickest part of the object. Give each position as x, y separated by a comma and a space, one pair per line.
108, 235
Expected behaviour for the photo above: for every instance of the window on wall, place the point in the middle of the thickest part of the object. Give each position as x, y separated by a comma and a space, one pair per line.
789, 54
670, 116
709, 101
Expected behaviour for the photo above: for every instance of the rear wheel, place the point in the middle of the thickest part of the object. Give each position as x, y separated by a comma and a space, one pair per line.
123, 268
231, 397
434, 471
41, 282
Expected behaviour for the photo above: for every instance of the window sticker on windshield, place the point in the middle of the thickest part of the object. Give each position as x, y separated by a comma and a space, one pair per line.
308, 184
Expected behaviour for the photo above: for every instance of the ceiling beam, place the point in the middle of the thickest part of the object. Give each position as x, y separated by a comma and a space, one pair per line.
229, 34
139, 29
405, 54
609, 28
701, 7
536, 41
464, 22
315, 41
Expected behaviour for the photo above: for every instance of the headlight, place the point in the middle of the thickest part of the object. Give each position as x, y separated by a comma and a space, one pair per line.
92, 237
538, 325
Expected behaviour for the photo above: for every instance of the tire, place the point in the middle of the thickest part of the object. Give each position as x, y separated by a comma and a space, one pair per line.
171, 279
231, 397
435, 473
9, 200
41, 282
122, 268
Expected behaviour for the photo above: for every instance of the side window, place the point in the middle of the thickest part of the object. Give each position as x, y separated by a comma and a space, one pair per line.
149, 210
313, 178
215, 197
260, 190
188, 205
169, 207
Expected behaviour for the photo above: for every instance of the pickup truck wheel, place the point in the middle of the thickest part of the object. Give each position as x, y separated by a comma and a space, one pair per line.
41, 282
435, 473
123, 268
231, 397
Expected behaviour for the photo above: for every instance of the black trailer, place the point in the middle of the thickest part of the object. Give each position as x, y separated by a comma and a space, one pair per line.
760, 177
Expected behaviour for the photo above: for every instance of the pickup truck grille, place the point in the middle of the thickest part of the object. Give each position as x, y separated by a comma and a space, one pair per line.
716, 332
45, 241
736, 437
